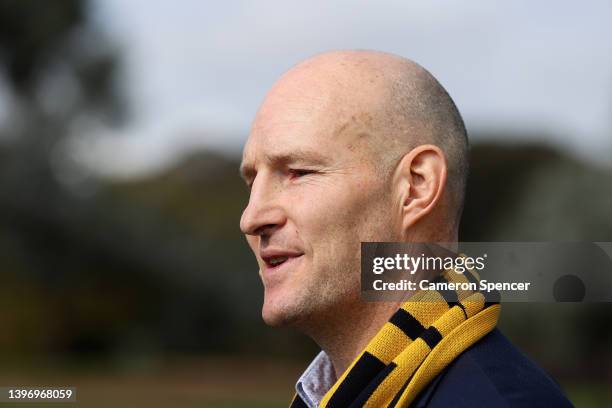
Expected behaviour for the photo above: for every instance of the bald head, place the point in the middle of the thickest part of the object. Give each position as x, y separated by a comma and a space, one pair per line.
347, 147
381, 101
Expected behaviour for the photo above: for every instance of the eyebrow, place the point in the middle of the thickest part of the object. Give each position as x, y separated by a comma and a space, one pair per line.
247, 171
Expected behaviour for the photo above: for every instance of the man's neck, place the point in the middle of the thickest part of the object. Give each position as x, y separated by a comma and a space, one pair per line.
347, 333
346, 330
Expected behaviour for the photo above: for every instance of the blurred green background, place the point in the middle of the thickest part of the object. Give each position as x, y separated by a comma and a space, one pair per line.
141, 291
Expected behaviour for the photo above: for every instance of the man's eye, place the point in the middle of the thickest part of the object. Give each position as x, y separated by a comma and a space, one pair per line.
300, 172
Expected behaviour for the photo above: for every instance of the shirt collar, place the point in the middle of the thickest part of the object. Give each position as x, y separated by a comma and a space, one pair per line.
316, 380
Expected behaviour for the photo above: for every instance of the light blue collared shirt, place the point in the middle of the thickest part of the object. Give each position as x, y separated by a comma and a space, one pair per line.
316, 380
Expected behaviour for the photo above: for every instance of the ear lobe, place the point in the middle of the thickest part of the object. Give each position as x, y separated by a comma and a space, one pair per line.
423, 178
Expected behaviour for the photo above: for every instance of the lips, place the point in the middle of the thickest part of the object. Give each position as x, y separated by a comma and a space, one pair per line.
276, 259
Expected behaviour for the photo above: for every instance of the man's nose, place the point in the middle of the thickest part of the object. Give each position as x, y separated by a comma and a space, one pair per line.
263, 212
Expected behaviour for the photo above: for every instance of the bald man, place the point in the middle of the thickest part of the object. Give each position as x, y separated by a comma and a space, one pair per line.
361, 146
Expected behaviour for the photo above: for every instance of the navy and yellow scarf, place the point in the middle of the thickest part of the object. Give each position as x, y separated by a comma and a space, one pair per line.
423, 337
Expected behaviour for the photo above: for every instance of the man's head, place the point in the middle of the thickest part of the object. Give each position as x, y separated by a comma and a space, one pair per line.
347, 147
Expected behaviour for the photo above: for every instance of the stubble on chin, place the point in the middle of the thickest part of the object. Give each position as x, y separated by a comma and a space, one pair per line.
283, 313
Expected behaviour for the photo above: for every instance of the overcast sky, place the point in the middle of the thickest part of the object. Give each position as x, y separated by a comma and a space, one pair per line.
195, 72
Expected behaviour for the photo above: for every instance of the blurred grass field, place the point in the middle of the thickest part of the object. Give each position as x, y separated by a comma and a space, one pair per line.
200, 382
184, 382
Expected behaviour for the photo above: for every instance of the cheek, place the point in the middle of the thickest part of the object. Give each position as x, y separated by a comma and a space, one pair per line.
325, 211
338, 218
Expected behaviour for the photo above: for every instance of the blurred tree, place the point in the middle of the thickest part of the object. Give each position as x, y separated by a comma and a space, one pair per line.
56, 69
90, 266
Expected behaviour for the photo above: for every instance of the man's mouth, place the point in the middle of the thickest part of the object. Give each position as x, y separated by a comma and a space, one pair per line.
277, 261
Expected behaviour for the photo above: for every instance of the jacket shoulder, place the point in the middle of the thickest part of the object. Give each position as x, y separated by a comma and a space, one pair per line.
492, 372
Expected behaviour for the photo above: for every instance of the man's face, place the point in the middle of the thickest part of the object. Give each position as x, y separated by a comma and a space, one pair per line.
314, 197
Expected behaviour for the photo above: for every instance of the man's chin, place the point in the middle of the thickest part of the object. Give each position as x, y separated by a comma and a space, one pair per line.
278, 315
276, 318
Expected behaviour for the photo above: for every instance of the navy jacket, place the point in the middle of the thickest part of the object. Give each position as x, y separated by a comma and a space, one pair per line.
492, 373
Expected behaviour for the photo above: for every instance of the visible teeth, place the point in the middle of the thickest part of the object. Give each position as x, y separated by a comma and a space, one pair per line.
276, 261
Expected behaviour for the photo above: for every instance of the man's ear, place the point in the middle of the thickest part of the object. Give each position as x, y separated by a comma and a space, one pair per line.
421, 178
